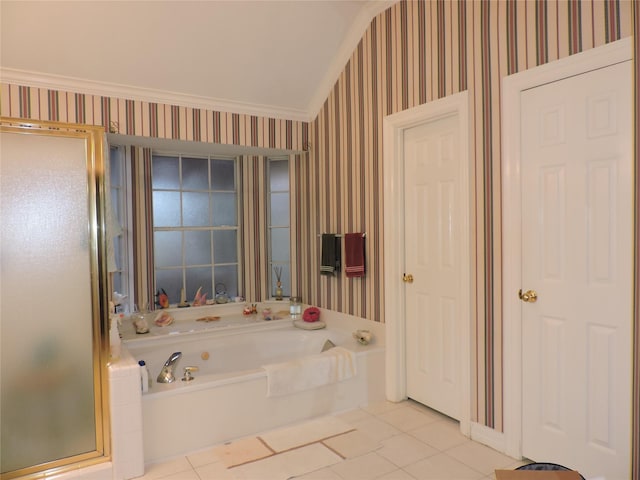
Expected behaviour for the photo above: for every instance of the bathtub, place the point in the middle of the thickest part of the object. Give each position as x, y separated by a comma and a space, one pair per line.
228, 397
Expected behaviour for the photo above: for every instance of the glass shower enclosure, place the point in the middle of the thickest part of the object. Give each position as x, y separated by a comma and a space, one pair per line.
53, 351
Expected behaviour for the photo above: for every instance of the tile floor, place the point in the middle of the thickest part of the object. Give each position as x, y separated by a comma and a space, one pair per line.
386, 441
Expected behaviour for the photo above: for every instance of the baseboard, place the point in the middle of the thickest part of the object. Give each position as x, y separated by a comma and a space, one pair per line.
489, 437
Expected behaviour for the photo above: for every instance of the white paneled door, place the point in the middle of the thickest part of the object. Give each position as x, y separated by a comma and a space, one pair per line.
576, 257
433, 242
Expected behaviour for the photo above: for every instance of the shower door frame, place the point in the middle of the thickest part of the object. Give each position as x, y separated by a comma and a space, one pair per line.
94, 143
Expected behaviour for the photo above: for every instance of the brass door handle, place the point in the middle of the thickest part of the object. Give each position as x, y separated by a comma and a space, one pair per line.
407, 278
530, 296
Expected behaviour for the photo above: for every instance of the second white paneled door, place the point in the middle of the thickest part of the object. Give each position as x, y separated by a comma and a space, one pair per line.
576, 255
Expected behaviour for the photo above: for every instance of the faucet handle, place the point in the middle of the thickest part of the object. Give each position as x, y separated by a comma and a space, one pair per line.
187, 373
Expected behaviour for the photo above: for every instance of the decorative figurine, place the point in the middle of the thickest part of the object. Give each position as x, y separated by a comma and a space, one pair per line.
199, 299
163, 298
163, 319
183, 299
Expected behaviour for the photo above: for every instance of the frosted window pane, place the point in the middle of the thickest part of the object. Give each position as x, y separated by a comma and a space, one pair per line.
115, 202
115, 167
46, 357
225, 246
279, 209
167, 249
228, 275
195, 174
197, 248
280, 244
116, 207
195, 209
208, 197
117, 282
118, 253
171, 282
279, 175
166, 209
224, 210
166, 173
223, 175
196, 278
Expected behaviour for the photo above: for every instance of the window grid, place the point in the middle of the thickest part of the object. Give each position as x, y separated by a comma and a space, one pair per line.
188, 270
278, 222
119, 182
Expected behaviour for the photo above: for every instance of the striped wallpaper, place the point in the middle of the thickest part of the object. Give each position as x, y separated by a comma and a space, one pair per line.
144, 119
255, 234
414, 52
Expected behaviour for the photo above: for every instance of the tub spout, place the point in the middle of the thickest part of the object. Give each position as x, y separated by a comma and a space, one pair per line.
166, 374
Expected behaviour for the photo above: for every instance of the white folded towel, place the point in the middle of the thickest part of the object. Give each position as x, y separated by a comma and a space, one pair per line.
312, 371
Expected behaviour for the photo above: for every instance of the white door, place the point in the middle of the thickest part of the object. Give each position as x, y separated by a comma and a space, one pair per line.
576, 255
433, 242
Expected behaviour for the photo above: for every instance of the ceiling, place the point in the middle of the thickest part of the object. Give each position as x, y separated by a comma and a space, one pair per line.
269, 57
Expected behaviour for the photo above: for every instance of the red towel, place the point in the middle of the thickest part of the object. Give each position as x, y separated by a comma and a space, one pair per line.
354, 254
311, 314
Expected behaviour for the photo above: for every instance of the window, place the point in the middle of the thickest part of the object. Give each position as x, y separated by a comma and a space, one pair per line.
189, 215
195, 225
279, 224
119, 181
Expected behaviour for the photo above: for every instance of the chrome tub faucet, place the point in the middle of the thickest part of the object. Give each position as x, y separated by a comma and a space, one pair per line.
166, 374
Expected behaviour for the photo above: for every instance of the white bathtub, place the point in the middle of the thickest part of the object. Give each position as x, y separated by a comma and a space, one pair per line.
227, 399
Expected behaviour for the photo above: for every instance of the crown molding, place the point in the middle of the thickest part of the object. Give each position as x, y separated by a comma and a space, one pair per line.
127, 92
356, 32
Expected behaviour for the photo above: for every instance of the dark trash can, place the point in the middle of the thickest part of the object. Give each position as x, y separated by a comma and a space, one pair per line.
545, 467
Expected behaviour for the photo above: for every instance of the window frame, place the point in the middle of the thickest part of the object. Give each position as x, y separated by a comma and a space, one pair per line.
209, 228
270, 262
124, 217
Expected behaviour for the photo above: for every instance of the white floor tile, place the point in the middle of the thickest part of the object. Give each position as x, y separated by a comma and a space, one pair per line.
365, 467
407, 418
442, 467
480, 457
305, 433
428, 411
382, 407
322, 474
289, 464
398, 441
403, 450
376, 430
352, 444
396, 475
186, 475
242, 451
442, 435
165, 469
204, 457
218, 471
354, 416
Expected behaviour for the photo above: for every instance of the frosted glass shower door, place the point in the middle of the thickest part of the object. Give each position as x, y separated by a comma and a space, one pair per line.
49, 399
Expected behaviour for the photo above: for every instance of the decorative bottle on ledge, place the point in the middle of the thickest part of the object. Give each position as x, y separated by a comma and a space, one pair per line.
278, 272
295, 307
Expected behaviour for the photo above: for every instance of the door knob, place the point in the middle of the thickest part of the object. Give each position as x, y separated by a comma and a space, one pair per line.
530, 296
407, 278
